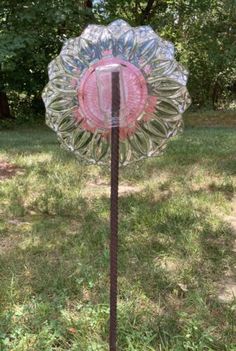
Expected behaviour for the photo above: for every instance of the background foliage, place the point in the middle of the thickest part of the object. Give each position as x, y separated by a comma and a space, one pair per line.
32, 33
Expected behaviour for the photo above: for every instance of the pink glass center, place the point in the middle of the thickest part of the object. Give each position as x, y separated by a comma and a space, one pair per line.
135, 96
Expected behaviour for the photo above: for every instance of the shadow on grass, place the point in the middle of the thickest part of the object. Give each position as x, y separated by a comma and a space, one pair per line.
213, 147
61, 260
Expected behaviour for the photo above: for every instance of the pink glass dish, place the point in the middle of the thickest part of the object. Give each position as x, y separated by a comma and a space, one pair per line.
152, 85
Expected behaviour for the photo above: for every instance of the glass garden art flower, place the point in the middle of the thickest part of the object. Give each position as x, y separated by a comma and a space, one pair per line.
153, 94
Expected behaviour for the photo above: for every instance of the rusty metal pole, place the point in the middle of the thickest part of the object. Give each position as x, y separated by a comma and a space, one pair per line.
114, 208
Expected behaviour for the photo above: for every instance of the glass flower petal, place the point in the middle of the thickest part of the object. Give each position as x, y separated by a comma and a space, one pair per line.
153, 95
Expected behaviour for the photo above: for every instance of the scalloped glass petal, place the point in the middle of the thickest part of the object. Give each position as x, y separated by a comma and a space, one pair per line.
153, 93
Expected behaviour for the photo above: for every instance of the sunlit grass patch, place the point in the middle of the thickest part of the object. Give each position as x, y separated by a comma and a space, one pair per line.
174, 247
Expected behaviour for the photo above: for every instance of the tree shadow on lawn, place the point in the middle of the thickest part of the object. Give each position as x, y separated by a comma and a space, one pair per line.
152, 229
58, 250
61, 259
209, 148
212, 146
227, 166
59, 262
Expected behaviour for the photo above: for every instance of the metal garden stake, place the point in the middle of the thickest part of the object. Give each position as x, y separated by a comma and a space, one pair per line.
117, 89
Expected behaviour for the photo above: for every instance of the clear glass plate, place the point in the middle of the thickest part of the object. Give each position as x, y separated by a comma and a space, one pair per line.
153, 93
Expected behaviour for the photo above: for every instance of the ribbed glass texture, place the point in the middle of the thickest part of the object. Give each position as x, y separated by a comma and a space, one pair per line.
153, 92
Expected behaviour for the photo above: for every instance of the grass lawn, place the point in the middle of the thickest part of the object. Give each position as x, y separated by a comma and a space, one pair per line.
176, 247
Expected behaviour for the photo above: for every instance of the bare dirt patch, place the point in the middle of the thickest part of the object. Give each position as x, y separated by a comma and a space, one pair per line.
211, 119
8, 170
102, 188
227, 290
8, 244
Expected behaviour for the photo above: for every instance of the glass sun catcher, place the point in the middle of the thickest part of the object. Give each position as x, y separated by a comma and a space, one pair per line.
153, 93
